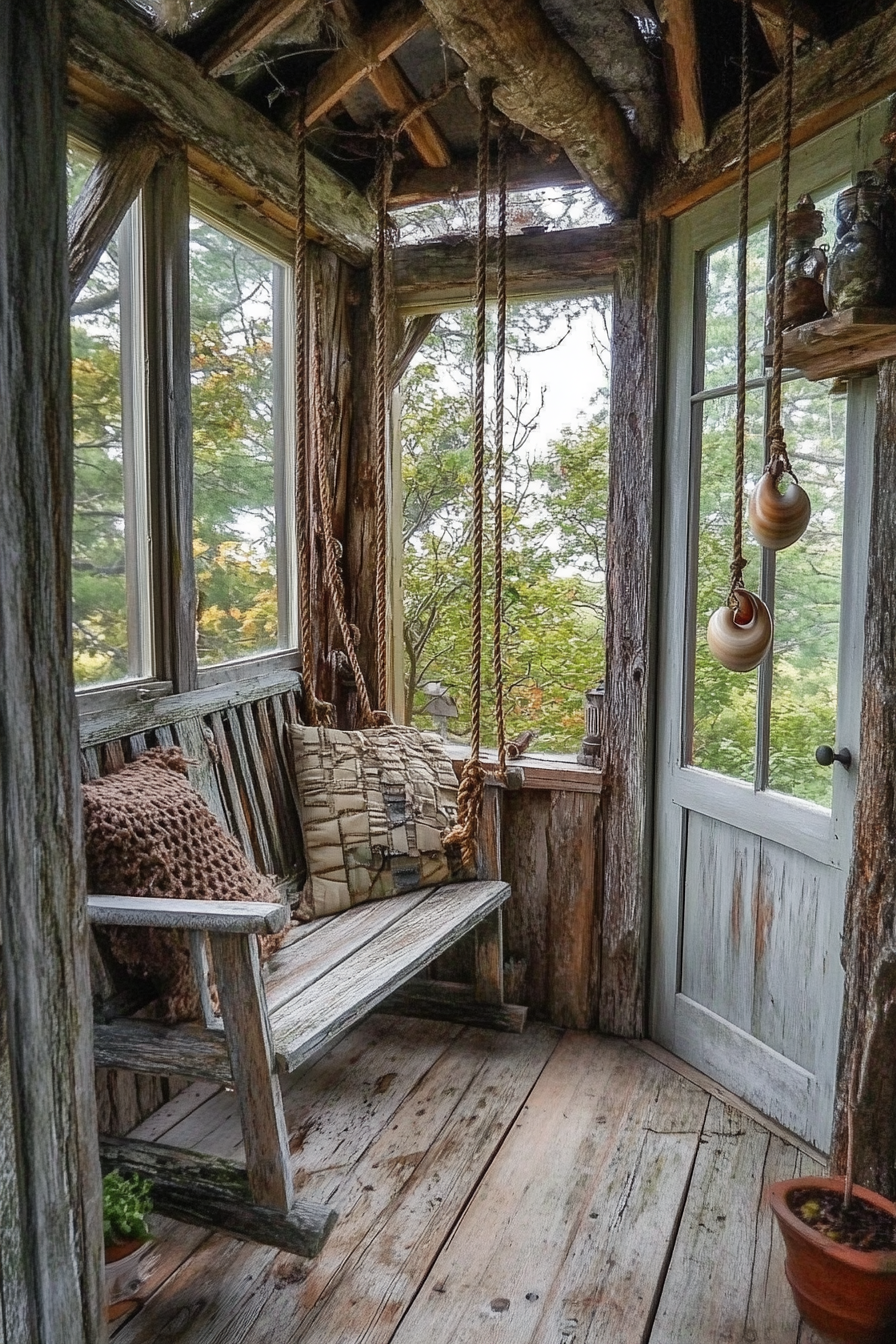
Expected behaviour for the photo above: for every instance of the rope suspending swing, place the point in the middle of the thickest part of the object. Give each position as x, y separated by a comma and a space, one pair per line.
314, 393
471, 790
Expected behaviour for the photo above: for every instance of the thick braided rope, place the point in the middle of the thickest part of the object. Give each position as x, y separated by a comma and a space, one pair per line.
303, 511
738, 560
777, 448
367, 717
382, 189
500, 350
472, 785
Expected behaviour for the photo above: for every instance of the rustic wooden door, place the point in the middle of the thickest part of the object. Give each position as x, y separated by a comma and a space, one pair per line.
752, 835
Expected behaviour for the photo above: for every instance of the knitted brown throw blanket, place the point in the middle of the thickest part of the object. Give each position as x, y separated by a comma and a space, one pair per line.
149, 833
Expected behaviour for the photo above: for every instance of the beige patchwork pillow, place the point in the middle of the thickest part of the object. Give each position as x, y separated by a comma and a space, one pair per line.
374, 806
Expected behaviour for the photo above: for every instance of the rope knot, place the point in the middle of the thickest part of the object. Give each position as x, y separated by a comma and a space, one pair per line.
470, 793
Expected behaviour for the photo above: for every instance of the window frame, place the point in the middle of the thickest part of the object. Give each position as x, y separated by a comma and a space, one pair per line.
146, 486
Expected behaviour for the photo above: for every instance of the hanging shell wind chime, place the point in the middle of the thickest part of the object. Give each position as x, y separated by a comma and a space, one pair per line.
779, 518
740, 633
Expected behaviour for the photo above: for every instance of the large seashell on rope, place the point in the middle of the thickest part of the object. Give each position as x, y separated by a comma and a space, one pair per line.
739, 637
778, 520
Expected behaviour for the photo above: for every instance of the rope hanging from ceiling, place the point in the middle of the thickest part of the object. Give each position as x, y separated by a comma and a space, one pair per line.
314, 402
740, 633
472, 785
777, 520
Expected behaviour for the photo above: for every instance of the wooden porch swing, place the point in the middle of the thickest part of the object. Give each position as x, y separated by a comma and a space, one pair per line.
330, 973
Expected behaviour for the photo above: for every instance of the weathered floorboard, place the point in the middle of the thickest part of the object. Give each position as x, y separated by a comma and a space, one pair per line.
726, 1277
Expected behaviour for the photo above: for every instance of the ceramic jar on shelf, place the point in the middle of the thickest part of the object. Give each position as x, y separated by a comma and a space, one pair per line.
862, 268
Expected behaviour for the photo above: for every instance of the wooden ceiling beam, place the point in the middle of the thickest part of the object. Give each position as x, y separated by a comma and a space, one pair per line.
542, 84
681, 58
367, 55
525, 172
834, 83
228, 141
401, 98
117, 178
806, 21
432, 277
262, 21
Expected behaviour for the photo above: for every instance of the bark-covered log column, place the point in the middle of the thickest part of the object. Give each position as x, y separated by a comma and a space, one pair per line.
632, 532
51, 1213
868, 1037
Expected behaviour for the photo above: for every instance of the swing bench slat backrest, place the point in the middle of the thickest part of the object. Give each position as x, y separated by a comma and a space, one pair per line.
326, 977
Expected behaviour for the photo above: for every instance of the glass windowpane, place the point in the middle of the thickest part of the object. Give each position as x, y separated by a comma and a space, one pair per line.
102, 651
720, 363
724, 712
807, 599
234, 526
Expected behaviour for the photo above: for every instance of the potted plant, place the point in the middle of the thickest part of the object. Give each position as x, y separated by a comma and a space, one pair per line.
126, 1204
841, 1251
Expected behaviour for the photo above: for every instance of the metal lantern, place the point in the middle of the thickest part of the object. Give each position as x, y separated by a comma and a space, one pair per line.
592, 743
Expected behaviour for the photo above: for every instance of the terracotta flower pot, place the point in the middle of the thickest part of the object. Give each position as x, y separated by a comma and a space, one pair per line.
126, 1267
847, 1295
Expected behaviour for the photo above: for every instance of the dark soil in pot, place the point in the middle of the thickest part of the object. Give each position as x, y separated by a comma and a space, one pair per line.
861, 1227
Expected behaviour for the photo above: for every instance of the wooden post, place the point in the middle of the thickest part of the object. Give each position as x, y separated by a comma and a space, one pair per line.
167, 214
488, 960
868, 1035
632, 532
248, 1034
51, 1239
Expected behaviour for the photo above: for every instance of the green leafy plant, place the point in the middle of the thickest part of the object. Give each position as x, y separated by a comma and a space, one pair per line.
126, 1202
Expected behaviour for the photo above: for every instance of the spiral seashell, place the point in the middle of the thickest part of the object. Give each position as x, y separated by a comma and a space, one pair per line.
778, 520
740, 638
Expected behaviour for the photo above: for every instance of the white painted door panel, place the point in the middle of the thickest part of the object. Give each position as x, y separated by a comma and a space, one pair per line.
749, 879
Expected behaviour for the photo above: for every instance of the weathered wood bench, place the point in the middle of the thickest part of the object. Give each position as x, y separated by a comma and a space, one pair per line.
328, 975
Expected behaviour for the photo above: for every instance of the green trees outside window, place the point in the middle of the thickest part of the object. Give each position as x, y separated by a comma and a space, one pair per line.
555, 520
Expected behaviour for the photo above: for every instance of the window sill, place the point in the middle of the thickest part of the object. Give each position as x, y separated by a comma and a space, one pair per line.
540, 770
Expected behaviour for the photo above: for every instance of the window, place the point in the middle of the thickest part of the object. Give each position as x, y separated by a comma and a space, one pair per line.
555, 492
110, 561
241, 336
755, 727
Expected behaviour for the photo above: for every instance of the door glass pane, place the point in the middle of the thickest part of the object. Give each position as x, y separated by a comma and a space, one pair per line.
724, 716
99, 569
234, 541
807, 598
721, 309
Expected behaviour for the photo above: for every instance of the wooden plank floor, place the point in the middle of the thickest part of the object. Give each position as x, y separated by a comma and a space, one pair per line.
548, 1187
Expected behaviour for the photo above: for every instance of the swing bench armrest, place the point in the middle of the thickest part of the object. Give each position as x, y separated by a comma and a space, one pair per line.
204, 916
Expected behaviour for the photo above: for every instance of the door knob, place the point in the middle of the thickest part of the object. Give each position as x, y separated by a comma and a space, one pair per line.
827, 756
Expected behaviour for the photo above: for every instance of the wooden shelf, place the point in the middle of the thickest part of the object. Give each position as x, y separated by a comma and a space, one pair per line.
848, 345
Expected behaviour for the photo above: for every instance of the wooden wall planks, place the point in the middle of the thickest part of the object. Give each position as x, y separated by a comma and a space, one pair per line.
44, 997
552, 858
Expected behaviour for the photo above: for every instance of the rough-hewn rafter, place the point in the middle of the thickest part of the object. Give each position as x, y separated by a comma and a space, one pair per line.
525, 172
829, 85
682, 62
430, 277
367, 48
366, 55
226, 139
262, 20
542, 84
116, 180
